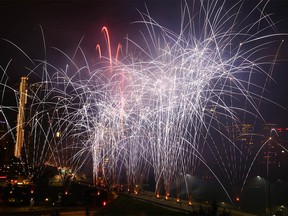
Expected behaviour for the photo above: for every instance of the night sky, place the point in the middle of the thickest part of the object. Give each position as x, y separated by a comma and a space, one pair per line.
65, 22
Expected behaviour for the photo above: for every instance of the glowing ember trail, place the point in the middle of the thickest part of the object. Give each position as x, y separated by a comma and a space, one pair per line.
107, 37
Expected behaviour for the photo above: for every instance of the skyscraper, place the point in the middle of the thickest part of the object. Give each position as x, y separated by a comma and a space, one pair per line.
274, 153
21, 117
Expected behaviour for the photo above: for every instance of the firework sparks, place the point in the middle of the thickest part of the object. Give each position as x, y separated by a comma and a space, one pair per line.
160, 109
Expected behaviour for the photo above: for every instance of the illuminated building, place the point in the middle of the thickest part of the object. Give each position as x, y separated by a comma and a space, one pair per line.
243, 139
241, 133
238, 148
21, 118
273, 157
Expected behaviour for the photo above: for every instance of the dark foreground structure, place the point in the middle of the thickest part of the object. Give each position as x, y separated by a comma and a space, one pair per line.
139, 205
78, 198
122, 205
111, 203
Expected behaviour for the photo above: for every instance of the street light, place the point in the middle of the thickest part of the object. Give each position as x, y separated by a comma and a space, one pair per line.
263, 181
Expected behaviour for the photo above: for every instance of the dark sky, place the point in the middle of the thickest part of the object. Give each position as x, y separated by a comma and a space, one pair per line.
65, 22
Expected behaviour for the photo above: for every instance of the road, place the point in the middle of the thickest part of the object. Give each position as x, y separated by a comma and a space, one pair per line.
183, 206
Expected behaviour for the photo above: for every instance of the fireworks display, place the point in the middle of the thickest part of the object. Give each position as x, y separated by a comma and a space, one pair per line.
165, 104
